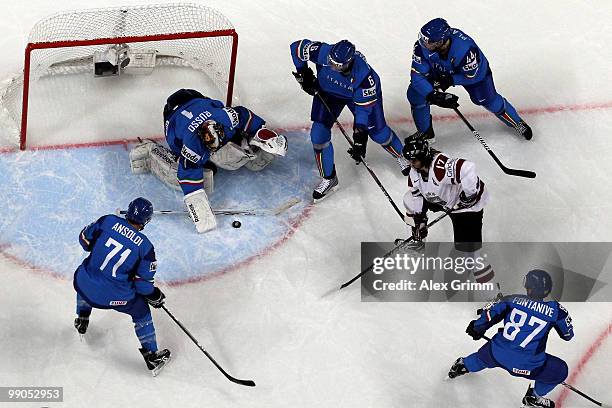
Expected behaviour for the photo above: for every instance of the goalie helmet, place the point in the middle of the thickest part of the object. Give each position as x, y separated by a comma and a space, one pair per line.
538, 283
211, 133
139, 211
341, 56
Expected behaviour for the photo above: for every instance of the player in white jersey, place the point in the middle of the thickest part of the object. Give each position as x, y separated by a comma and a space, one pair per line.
438, 182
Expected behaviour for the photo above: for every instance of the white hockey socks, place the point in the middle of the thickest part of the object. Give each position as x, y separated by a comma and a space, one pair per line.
200, 212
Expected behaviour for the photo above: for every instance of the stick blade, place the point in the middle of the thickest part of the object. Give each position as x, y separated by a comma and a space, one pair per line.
246, 383
288, 204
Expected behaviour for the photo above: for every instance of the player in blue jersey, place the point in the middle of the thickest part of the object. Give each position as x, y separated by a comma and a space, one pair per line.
118, 274
445, 57
344, 78
203, 134
519, 347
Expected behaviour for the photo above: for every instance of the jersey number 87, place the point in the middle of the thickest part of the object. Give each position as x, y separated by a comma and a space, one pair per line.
513, 327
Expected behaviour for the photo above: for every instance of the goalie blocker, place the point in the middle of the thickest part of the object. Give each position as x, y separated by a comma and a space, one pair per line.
203, 134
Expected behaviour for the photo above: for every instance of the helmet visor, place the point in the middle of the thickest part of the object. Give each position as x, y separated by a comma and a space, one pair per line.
338, 66
428, 43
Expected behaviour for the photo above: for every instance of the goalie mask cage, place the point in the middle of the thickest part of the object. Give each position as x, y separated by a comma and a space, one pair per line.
181, 34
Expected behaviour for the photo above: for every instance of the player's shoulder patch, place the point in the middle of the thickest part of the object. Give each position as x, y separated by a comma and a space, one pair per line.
417, 53
439, 166
232, 115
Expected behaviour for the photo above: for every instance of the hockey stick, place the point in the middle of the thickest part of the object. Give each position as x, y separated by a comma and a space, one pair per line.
256, 212
509, 171
388, 254
248, 383
361, 159
571, 387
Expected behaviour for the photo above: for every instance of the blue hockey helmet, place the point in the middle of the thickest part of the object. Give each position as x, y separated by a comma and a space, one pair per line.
341, 56
139, 211
434, 33
538, 283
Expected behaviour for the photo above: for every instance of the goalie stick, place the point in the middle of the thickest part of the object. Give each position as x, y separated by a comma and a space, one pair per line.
228, 211
247, 383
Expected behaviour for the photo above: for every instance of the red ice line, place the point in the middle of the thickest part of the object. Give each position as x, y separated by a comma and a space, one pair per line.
586, 357
448, 117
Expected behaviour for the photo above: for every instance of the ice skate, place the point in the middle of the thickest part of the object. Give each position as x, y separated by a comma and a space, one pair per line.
326, 187
531, 399
156, 360
458, 369
524, 130
80, 324
428, 135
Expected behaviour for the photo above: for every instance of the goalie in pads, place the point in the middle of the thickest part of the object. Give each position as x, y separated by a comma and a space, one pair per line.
202, 135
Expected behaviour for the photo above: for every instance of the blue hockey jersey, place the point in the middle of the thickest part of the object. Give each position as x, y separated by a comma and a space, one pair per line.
465, 62
520, 345
181, 126
121, 262
361, 86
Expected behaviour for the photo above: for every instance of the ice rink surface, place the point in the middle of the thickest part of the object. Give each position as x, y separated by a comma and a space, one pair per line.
254, 296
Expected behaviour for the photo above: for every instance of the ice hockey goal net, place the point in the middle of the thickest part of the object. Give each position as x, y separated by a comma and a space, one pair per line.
181, 34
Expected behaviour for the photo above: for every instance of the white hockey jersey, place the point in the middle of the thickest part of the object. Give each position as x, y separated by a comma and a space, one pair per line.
446, 179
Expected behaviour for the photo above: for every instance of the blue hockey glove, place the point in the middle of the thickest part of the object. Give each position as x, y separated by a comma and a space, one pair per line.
443, 99
156, 298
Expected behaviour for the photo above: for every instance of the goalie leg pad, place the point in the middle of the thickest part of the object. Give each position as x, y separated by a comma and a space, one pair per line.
139, 157
261, 160
164, 165
209, 181
270, 141
199, 211
231, 156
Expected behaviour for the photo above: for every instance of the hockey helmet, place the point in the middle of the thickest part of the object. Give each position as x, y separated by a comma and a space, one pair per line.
140, 211
211, 133
538, 283
434, 33
416, 148
341, 56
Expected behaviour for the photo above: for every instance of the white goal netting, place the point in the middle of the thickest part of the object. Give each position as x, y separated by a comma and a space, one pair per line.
176, 35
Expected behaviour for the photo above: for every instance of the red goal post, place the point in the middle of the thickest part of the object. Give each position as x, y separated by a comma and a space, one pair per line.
181, 34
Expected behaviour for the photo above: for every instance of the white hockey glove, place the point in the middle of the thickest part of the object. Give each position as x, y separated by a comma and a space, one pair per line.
200, 212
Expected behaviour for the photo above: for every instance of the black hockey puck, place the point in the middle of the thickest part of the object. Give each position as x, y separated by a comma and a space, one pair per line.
236, 224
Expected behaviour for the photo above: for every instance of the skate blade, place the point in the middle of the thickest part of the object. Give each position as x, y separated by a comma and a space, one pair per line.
155, 372
330, 192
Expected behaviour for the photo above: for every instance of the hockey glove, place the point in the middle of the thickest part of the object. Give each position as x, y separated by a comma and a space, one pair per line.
443, 82
307, 80
156, 298
360, 142
466, 201
443, 99
419, 230
472, 332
